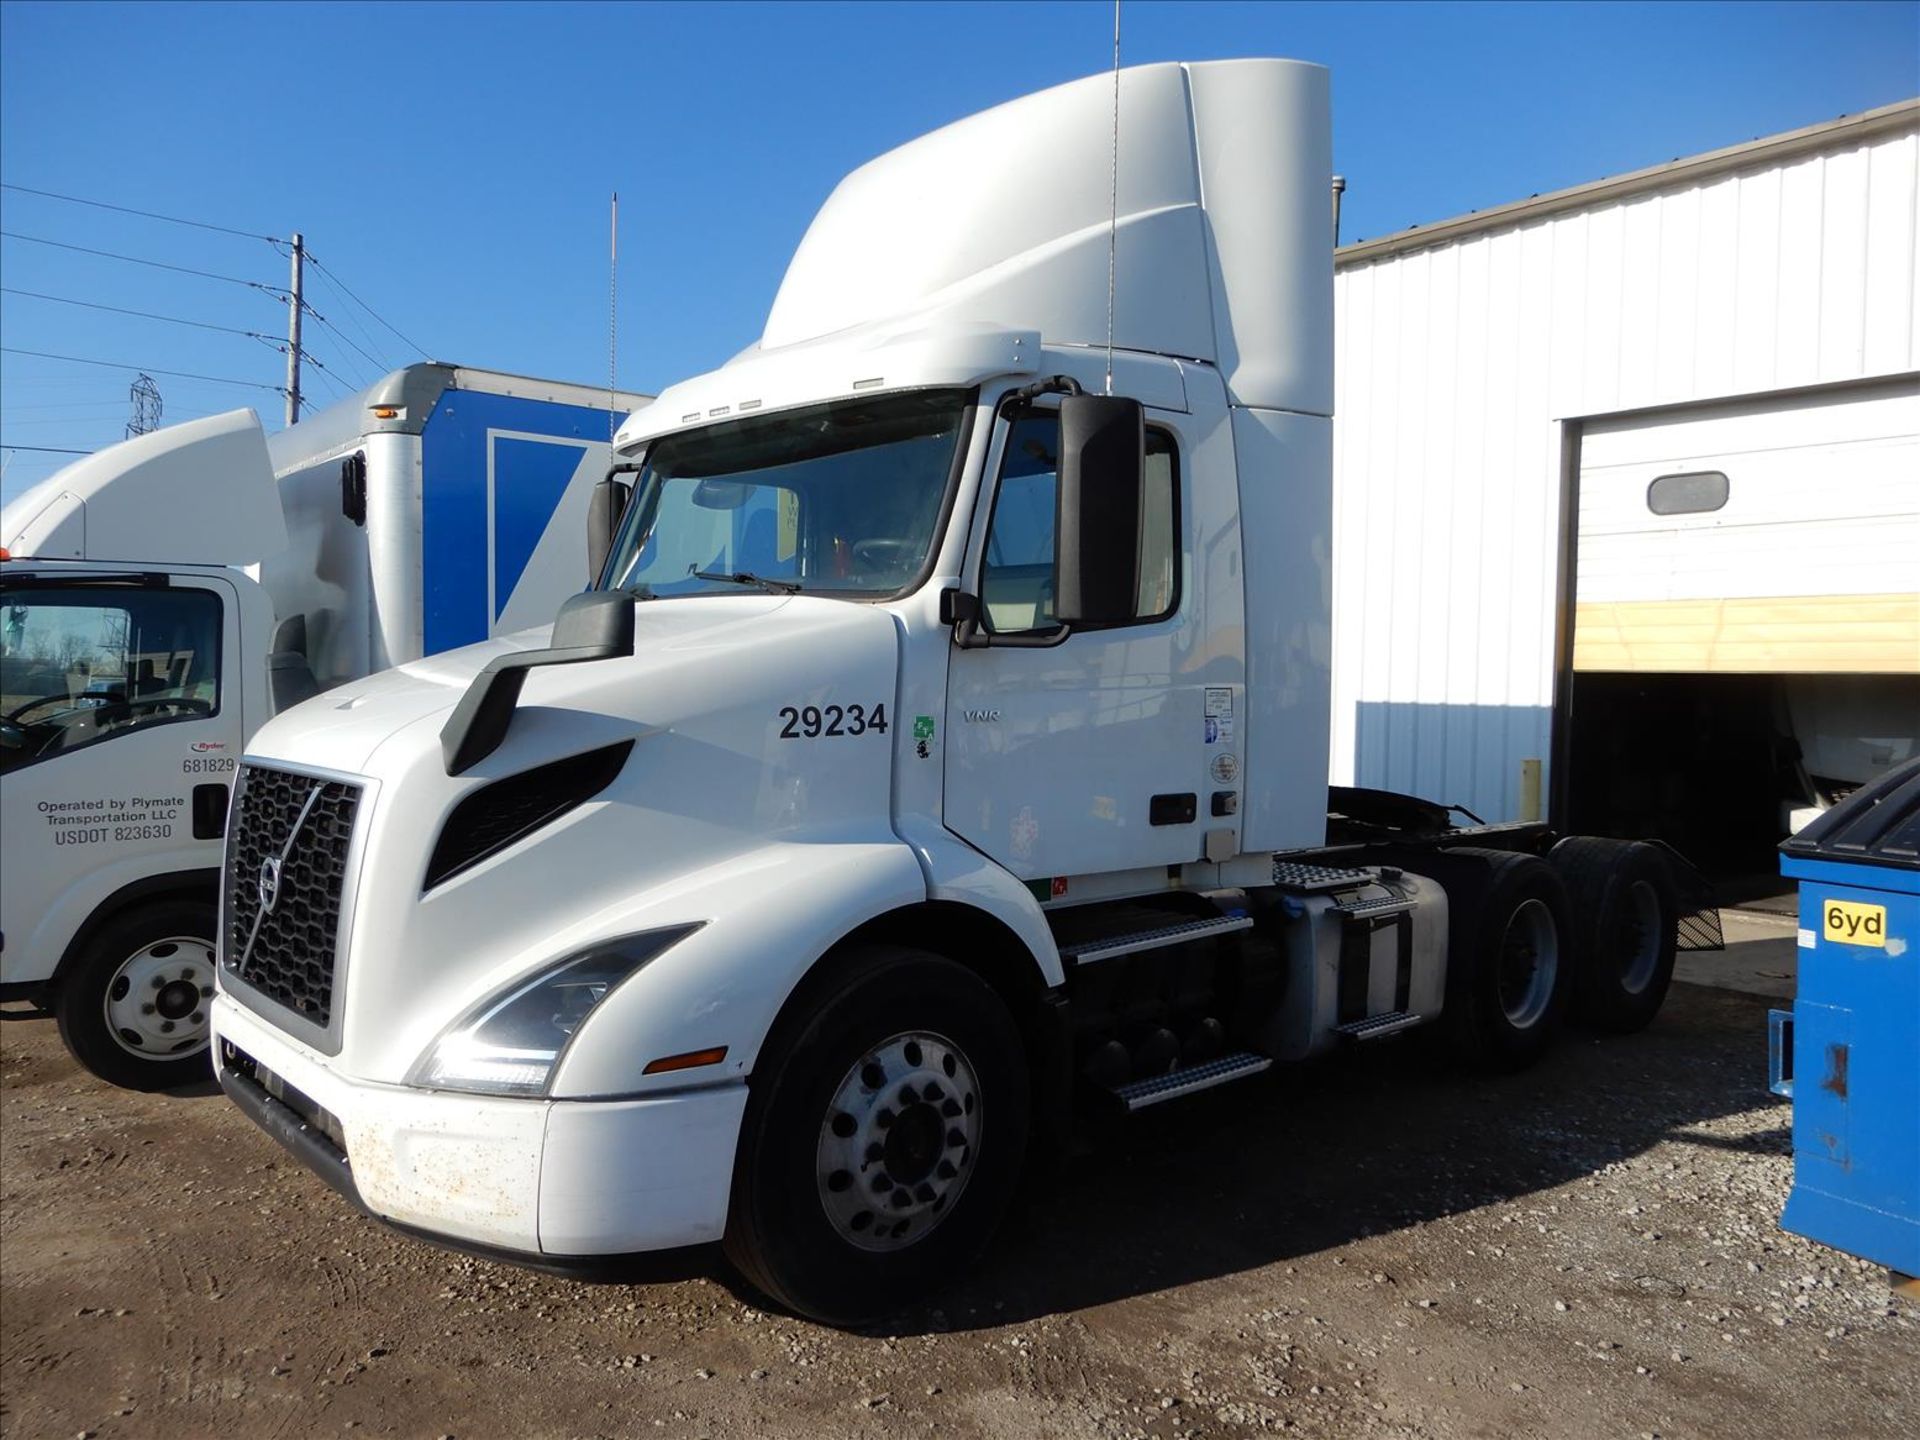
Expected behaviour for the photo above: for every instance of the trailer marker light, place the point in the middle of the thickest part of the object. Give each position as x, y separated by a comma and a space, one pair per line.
692, 1060
385, 412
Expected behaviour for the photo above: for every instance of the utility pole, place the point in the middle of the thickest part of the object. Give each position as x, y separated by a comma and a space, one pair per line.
145, 396
294, 307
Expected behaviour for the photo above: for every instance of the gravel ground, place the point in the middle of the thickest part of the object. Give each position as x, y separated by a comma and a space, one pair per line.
1371, 1247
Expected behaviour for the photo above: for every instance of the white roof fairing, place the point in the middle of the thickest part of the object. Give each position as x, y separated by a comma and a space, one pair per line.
1000, 223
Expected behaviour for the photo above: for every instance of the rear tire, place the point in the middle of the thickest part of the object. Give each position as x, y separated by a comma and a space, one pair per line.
132, 1007
935, 1146
1626, 907
1509, 961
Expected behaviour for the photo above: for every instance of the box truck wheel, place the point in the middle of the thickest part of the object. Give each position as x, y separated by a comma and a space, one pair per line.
1626, 908
882, 1139
1509, 971
133, 1005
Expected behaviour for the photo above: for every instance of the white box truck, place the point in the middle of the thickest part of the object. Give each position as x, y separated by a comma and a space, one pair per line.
943, 748
165, 596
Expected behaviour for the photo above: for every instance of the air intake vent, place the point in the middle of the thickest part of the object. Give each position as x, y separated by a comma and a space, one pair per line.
495, 816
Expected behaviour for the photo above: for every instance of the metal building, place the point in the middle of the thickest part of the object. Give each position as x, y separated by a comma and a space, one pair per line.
1627, 493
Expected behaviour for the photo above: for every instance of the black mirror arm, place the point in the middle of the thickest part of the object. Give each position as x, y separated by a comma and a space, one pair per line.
596, 625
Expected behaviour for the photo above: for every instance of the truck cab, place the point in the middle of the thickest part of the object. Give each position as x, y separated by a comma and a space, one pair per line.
941, 747
126, 698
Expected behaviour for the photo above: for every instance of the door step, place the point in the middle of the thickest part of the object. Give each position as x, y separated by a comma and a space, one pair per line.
1138, 1094
1377, 1027
1092, 950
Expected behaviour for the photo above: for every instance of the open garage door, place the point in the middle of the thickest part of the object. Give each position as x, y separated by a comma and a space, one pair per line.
1747, 614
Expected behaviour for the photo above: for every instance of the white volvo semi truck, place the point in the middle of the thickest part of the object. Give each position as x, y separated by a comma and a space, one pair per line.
165, 596
941, 747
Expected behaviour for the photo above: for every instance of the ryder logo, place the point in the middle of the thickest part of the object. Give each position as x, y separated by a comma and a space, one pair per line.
201, 747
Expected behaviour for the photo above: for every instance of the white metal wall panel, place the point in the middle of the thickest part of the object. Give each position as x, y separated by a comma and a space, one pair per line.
1455, 367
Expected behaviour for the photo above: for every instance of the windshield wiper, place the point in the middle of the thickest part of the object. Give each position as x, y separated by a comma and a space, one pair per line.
747, 577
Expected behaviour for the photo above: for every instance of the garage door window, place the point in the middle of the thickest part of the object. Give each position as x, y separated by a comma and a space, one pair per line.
1696, 492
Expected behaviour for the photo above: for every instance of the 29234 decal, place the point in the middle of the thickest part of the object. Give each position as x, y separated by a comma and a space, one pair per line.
815, 722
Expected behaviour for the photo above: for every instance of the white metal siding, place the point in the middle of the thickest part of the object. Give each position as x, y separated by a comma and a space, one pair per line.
1455, 367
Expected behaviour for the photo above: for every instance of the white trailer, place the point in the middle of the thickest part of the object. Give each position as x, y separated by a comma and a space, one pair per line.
165, 596
943, 747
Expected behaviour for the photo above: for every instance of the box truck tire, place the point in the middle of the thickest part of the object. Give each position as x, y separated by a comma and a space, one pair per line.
1625, 908
883, 1138
1509, 956
132, 1006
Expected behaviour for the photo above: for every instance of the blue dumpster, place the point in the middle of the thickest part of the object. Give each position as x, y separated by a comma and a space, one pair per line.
1849, 1051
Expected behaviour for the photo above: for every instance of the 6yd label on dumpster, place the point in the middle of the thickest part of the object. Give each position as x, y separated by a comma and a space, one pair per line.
1851, 924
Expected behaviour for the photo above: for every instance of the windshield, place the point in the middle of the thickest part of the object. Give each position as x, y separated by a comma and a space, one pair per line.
838, 498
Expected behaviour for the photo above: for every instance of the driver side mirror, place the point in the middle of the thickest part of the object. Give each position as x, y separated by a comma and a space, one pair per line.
604, 509
1097, 523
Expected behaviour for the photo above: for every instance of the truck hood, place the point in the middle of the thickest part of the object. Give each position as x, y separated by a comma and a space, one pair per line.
342, 729
716, 704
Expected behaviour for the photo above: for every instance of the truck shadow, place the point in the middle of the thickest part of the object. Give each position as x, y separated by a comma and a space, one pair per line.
1363, 1145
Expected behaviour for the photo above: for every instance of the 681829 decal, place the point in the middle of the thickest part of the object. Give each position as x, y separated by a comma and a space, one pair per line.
813, 722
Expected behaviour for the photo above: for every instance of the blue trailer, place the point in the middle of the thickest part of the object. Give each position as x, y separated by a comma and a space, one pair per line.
439, 506
1848, 1053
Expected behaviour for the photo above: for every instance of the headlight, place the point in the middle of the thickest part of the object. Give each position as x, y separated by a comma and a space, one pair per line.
511, 1042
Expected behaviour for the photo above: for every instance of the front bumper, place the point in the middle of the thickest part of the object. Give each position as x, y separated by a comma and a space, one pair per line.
550, 1180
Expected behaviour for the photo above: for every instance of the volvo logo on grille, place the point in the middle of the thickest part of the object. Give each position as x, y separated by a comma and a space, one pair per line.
269, 883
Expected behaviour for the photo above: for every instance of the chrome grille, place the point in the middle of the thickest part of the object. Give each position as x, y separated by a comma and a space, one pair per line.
286, 869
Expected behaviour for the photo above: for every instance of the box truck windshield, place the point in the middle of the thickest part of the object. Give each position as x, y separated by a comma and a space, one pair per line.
844, 498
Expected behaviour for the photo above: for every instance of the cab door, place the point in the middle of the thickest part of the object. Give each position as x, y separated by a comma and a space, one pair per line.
1083, 752
118, 739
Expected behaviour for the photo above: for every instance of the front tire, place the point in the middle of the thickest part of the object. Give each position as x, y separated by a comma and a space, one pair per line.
132, 1007
882, 1140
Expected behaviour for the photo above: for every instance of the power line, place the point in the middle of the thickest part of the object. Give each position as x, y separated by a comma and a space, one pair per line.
345, 339
147, 214
278, 292
142, 314
379, 355
44, 449
421, 349
150, 369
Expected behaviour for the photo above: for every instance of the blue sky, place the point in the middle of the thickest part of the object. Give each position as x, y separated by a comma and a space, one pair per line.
451, 163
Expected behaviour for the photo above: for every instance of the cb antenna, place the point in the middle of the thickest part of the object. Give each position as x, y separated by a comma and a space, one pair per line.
613, 314
1113, 195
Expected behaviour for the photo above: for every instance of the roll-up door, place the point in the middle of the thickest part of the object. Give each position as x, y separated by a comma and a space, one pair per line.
1775, 535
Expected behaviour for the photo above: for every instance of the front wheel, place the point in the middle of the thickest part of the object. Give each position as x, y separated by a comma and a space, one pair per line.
882, 1140
133, 1006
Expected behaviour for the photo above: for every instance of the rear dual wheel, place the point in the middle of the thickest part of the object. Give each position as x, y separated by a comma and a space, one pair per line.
1626, 905
1509, 954
882, 1138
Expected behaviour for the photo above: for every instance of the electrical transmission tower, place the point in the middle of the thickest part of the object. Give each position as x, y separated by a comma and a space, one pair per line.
145, 396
